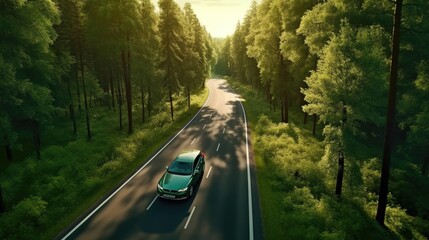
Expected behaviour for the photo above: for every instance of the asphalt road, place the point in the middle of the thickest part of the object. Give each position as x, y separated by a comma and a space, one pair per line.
225, 205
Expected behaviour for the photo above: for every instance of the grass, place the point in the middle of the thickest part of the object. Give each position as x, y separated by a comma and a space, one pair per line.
83, 171
256, 106
297, 182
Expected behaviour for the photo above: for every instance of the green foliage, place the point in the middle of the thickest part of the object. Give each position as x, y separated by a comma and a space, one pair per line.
53, 53
194, 66
171, 27
266, 45
416, 111
23, 220
296, 185
348, 89
223, 56
309, 209
238, 54
404, 225
343, 80
26, 63
147, 54
43, 197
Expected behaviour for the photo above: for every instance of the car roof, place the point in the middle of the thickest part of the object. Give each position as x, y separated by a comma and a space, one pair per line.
188, 156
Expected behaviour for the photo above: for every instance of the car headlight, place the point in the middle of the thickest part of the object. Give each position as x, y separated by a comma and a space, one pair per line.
159, 187
183, 189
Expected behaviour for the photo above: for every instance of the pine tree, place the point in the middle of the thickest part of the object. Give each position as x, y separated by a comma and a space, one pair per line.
148, 54
390, 119
293, 47
172, 45
348, 89
238, 54
192, 63
250, 63
272, 65
26, 66
66, 48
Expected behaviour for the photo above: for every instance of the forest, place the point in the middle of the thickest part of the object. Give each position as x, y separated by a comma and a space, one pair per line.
342, 143
337, 93
89, 88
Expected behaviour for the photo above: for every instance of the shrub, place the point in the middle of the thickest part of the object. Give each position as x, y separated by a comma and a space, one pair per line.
24, 218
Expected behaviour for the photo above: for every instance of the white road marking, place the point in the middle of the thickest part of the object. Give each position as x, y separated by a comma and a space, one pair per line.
150, 205
249, 184
223, 131
209, 172
218, 145
193, 141
138, 171
187, 222
205, 125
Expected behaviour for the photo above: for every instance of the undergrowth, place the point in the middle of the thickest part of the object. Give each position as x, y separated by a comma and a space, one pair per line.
297, 183
44, 196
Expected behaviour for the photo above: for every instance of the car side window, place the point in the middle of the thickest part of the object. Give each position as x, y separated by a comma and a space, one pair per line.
196, 161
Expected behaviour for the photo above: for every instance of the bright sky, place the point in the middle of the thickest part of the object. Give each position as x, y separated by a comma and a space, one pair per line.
220, 17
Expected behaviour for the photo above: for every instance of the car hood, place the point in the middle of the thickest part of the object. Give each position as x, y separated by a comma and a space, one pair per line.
173, 181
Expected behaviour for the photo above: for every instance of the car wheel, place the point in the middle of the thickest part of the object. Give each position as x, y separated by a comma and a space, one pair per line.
191, 191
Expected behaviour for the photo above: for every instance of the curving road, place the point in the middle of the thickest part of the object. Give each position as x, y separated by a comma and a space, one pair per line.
226, 202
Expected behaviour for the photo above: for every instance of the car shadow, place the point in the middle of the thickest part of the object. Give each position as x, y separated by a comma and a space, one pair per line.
165, 215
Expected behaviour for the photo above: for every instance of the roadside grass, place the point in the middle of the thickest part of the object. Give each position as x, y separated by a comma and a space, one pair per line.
44, 197
270, 197
297, 182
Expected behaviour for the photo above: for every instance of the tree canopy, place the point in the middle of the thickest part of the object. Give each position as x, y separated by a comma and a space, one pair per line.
83, 61
331, 59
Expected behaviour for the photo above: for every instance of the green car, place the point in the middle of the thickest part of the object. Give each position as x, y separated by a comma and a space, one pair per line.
179, 181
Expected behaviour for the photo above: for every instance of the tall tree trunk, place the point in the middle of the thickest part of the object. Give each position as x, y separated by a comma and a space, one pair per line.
286, 108
2, 205
171, 103
76, 72
127, 92
88, 127
314, 124
112, 89
340, 174
120, 102
390, 119
285, 101
71, 110
282, 111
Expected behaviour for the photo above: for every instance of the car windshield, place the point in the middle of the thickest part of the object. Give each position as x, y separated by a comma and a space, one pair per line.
182, 168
